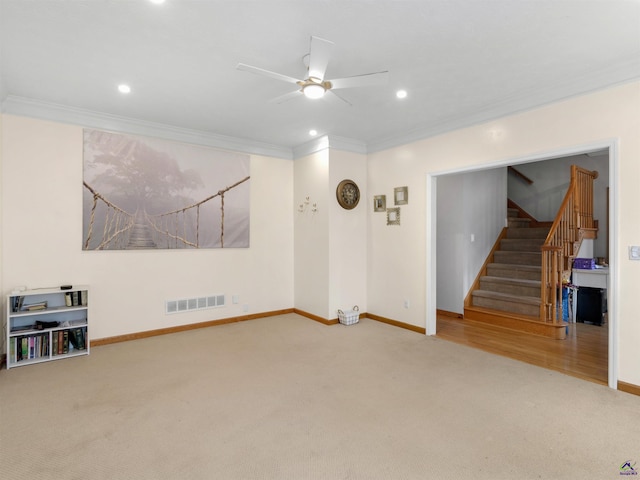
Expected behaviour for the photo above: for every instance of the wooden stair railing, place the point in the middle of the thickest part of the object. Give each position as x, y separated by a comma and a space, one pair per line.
563, 241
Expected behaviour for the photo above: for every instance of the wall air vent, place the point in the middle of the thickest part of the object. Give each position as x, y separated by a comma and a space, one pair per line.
194, 303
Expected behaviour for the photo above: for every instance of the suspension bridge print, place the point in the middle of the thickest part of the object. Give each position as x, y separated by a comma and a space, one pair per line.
147, 193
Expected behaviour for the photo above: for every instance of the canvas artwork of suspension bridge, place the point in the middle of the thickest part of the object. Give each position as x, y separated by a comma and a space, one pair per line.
148, 193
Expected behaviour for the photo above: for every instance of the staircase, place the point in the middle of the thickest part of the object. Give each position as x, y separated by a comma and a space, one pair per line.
520, 284
507, 292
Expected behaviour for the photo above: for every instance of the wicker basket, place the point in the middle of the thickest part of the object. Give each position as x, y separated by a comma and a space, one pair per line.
349, 317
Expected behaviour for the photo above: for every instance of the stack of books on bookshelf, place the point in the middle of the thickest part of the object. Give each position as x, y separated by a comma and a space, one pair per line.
26, 347
35, 306
76, 298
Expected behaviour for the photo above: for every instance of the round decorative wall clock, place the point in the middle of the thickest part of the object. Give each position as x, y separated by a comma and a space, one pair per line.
348, 194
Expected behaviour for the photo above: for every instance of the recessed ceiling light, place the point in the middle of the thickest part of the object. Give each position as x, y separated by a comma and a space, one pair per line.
401, 94
122, 88
158, 2
313, 133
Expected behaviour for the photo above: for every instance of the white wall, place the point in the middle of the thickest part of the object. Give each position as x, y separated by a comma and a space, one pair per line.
330, 258
396, 253
311, 233
469, 204
348, 235
551, 178
397, 264
42, 240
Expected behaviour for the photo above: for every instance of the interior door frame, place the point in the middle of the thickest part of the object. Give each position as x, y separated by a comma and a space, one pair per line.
613, 234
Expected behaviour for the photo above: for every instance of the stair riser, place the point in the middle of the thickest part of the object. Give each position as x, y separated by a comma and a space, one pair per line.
507, 272
518, 258
521, 245
518, 222
527, 291
503, 319
527, 233
506, 306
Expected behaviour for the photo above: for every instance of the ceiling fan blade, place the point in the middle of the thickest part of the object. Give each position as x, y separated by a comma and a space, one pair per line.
366, 80
286, 97
319, 56
335, 98
266, 73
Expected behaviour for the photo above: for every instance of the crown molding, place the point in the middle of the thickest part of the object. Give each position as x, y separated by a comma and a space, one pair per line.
347, 144
625, 71
34, 108
311, 147
329, 141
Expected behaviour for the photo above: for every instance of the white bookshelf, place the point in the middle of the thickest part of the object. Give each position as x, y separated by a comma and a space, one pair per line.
47, 324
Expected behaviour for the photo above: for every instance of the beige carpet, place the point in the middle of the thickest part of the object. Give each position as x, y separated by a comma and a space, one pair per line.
289, 398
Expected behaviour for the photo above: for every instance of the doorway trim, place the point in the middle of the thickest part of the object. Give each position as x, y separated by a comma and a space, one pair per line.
614, 252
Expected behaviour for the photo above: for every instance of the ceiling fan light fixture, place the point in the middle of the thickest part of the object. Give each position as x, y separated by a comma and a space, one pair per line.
313, 90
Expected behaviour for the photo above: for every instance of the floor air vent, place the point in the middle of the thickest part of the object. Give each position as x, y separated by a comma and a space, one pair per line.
196, 303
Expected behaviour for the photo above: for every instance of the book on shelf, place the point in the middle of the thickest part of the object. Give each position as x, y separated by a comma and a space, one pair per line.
83, 297
34, 306
54, 343
17, 303
24, 347
77, 338
60, 349
12, 349
67, 299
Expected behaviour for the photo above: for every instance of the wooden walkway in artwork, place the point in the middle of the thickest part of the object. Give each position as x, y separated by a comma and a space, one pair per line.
140, 236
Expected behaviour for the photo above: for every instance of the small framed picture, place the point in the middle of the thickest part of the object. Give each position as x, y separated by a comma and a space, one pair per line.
393, 216
401, 195
380, 203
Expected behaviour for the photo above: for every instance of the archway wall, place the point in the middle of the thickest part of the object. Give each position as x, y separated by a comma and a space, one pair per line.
397, 259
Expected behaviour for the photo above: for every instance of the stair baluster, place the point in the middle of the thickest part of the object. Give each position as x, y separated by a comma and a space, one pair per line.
563, 242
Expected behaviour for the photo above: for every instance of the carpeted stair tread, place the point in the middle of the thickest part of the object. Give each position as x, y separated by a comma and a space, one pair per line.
517, 266
521, 244
516, 222
531, 232
512, 281
519, 258
508, 270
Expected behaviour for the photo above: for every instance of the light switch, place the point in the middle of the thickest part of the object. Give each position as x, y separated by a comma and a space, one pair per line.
634, 252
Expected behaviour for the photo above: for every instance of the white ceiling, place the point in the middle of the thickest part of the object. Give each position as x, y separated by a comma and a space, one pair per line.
462, 62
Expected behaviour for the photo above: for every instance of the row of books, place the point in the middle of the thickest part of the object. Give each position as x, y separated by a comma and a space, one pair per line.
19, 305
75, 299
27, 347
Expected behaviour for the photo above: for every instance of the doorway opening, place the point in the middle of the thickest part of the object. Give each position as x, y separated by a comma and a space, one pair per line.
446, 293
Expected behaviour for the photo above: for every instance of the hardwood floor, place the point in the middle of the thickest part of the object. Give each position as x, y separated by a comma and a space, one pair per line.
582, 354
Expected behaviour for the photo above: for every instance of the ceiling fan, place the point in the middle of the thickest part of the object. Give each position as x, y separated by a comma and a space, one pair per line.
315, 85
